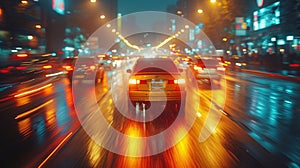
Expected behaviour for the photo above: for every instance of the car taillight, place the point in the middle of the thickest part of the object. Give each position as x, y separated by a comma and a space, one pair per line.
68, 68
142, 82
136, 82
22, 55
176, 81
295, 65
171, 82
92, 67
47, 66
4, 70
10, 67
221, 68
198, 68
21, 68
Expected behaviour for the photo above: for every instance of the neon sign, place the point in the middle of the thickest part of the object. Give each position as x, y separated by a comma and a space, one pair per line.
260, 3
58, 6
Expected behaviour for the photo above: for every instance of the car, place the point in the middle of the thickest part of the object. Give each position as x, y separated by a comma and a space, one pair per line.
50, 66
68, 65
208, 68
183, 61
107, 61
236, 63
155, 80
84, 69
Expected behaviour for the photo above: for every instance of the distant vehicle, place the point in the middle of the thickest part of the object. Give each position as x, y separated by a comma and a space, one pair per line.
86, 67
156, 79
52, 67
183, 61
107, 61
18, 62
68, 65
208, 68
236, 62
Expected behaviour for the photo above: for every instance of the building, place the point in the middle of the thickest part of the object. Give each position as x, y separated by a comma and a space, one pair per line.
21, 26
275, 28
51, 25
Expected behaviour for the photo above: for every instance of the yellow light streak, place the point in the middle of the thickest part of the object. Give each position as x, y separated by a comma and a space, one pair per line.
54, 74
128, 43
32, 91
56, 149
33, 110
164, 42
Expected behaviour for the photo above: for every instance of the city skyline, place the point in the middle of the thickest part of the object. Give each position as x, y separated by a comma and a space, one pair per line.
131, 6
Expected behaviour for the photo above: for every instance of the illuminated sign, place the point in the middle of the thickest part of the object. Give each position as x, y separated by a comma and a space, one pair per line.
260, 3
58, 6
266, 17
240, 26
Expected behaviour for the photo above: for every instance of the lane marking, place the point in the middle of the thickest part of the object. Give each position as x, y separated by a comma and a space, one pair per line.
33, 110
56, 149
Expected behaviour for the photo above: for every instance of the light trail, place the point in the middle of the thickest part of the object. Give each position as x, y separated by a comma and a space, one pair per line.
33, 110
56, 149
32, 91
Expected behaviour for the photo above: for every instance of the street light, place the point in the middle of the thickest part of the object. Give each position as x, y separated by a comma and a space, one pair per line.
24, 2
200, 11
29, 37
213, 1
102, 17
273, 39
93, 1
38, 26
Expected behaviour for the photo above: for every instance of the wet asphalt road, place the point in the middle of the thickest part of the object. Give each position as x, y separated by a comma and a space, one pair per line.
250, 121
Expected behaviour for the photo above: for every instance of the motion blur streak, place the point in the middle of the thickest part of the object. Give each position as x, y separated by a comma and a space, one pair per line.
181, 153
56, 149
32, 91
22, 101
135, 147
94, 152
33, 110
24, 126
55, 74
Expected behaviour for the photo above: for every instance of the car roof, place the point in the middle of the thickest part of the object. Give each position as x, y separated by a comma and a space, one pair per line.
166, 64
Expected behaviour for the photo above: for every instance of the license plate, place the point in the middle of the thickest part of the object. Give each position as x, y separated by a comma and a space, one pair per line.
157, 84
79, 76
210, 70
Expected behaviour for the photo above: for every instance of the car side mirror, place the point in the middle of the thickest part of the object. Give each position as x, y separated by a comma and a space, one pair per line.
128, 70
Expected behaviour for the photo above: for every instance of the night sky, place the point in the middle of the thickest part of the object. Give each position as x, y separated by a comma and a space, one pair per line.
130, 6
